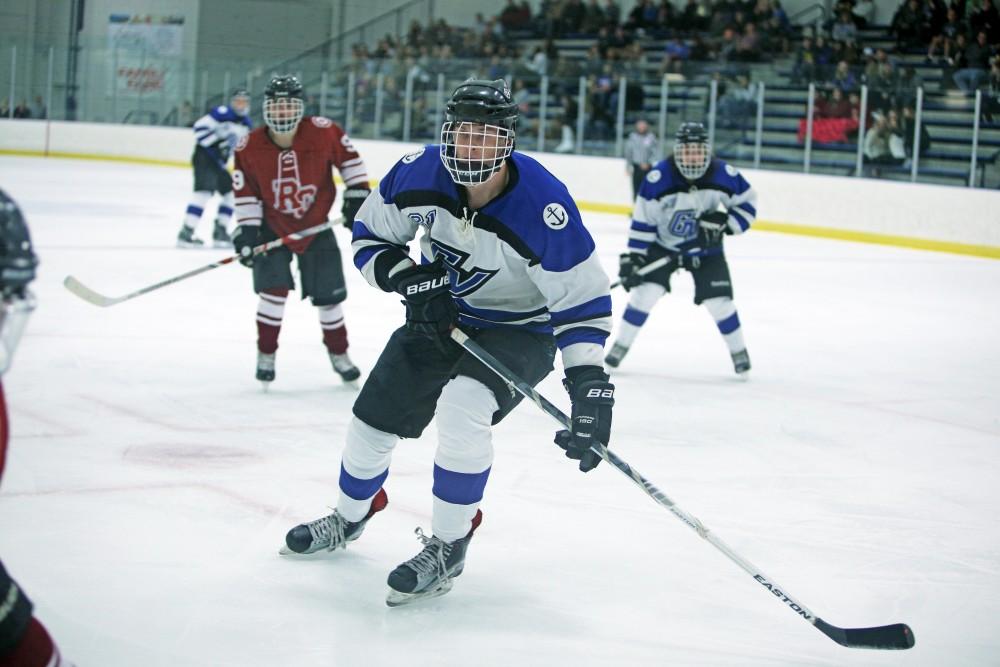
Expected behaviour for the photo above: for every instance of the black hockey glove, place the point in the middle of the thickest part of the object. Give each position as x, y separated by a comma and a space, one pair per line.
245, 237
353, 199
430, 309
593, 397
629, 264
711, 226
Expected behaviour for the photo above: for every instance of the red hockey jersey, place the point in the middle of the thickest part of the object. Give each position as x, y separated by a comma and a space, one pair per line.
292, 189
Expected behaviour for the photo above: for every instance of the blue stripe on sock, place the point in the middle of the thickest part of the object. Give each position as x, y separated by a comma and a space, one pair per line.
459, 488
730, 324
195, 210
225, 210
635, 316
360, 489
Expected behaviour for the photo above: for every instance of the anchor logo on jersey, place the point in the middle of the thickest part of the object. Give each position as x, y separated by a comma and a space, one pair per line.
290, 196
463, 281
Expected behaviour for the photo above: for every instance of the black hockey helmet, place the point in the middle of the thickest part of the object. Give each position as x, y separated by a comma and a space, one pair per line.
17, 256
478, 131
692, 151
17, 270
239, 101
283, 103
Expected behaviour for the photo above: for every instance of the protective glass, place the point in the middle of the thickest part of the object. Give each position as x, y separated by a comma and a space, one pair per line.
692, 158
282, 114
473, 152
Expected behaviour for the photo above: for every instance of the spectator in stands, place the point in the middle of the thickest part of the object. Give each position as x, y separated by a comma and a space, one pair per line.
738, 104
833, 104
39, 111
593, 18
185, 114
22, 110
973, 69
844, 29
823, 55
906, 87
748, 45
909, 130
689, 20
666, 16
908, 25
515, 16
985, 18
612, 12
876, 145
844, 78
567, 121
572, 15
882, 85
991, 99
947, 36
804, 68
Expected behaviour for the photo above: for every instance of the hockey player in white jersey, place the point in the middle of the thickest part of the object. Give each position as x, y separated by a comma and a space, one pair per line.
505, 256
677, 216
216, 133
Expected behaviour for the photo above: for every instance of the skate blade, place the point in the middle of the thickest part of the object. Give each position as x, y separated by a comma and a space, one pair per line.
188, 244
264, 385
396, 598
222, 244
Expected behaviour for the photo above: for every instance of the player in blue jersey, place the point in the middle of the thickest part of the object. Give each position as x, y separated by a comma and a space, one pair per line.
505, 256
677, 216
216, 133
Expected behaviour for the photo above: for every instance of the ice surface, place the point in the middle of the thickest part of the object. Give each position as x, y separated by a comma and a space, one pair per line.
151, 482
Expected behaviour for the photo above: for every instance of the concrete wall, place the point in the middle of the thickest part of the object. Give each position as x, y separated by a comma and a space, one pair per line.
947, 218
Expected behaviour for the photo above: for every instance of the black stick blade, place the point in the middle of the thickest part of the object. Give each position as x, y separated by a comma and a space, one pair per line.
887, 637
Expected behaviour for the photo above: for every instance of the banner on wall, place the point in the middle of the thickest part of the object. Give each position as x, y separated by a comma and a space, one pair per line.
145, 54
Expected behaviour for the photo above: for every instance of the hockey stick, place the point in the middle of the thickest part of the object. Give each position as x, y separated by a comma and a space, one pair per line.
896, 636
89, 295
648, 268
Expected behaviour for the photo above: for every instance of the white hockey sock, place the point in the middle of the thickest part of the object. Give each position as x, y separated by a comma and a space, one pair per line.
464, 455
723, 311
641, 302
225, 213
271, 309
196, 206
330, 317
364, 467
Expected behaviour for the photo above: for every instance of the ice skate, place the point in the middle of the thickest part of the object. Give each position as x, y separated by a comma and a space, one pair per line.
220, 237
265, 368
615, 356
741, 363
330, 532
429, 574
187, 239
344, 367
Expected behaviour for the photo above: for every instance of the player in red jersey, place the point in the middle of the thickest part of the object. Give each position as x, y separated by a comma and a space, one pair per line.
24, 642
284, 183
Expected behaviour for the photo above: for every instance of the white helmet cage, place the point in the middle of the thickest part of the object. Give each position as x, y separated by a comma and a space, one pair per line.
282, 114
283, 104
692, 151
472, 152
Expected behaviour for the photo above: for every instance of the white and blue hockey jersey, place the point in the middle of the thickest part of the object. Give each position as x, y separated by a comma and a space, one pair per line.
668, 205
220, 129
524, 260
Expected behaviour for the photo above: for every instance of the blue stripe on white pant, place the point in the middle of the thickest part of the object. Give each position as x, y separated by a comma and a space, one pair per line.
723, 311
464, 455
